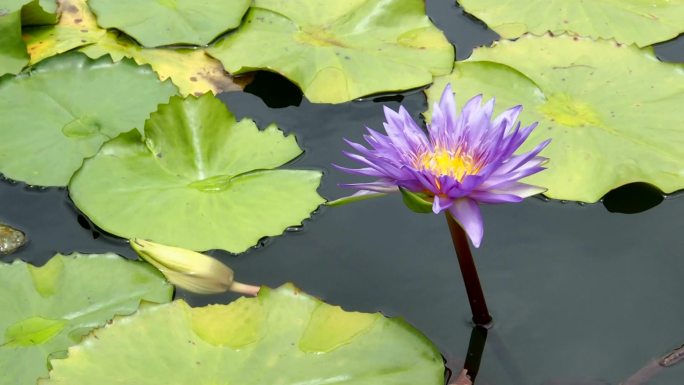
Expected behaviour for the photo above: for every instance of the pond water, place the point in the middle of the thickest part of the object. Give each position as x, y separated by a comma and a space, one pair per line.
580, 294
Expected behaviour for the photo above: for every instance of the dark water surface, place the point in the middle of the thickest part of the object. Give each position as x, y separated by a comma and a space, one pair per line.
580, 294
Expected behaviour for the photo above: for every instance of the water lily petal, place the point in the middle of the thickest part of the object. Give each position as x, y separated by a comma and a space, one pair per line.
368, 171
523, 190
467, 213
377, 186
444, 116
508, 118
441, 203
357, 196
493, 197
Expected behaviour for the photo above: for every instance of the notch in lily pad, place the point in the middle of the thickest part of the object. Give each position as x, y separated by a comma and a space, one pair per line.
199, 179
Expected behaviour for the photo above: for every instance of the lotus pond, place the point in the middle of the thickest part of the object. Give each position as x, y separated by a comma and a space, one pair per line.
103, 140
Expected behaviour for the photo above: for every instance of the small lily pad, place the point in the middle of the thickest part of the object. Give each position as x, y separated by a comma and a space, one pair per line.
282, 337
339, 51
610, 124
47, 309
63, 109
198, 180
164, 22
643, 22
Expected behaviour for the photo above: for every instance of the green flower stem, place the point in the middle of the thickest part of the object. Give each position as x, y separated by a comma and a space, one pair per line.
478, 305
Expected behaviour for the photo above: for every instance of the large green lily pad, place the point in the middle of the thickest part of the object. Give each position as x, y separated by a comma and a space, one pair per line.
63, 109
47, 309
163, 22
199, 180
610, 124
282, 337
338, 51
643, 22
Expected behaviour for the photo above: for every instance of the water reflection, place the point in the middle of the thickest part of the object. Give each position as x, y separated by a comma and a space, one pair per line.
471, 366
466, 373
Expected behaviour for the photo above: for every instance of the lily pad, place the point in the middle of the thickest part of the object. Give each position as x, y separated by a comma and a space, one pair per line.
47, 309
199, 180
191, 70
14, 13
643, 22
282, 337
164, 22
339, 51
76, 27
63, 109
38, 12
13, 56
611, 125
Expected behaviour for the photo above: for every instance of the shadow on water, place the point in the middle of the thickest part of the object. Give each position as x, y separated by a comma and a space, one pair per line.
265, 82
633, 198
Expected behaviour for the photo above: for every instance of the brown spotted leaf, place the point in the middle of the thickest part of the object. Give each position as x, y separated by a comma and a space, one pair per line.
191, 70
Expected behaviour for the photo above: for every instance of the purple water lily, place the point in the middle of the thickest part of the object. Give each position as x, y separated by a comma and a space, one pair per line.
466, 159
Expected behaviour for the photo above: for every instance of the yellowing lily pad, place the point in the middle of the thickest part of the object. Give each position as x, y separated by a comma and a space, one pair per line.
14, 13
163, 22
76, 28
282, 337
191, 70
198, 180
47, 309
63, 109
643, 22
611, 124
338, 51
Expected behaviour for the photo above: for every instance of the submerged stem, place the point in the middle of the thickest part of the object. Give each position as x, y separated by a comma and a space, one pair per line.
478, 306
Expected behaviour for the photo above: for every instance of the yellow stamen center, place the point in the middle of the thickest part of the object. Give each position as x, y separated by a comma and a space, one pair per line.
445, 162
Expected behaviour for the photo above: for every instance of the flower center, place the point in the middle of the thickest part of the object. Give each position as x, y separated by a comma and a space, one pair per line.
445, 162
